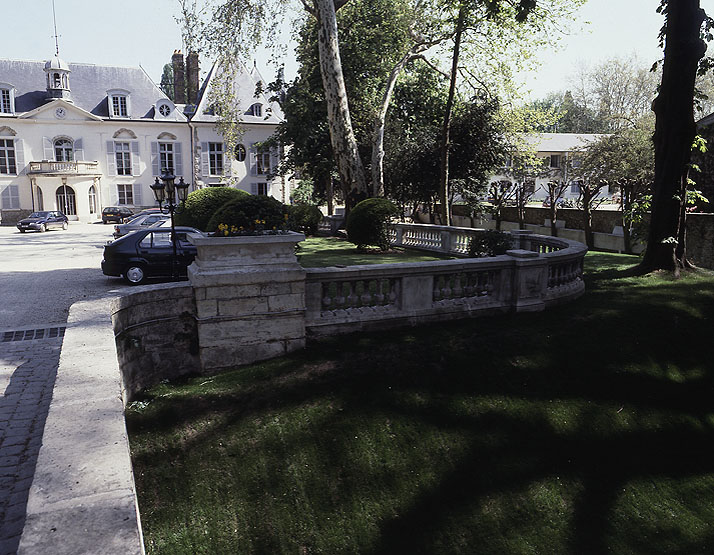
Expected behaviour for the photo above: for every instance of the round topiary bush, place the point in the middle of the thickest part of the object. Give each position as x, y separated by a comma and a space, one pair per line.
368, 223
250, 213
304, 218
203, 203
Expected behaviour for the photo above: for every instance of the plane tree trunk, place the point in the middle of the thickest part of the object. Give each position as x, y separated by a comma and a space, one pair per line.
674, 134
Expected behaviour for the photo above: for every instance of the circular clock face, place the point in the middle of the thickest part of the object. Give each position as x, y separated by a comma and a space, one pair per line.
164, 110
60, 113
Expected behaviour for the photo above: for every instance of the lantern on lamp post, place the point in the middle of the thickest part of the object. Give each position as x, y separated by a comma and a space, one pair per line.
170, 194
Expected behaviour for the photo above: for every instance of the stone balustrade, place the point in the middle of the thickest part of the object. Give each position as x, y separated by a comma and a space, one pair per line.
248, 299
49, 167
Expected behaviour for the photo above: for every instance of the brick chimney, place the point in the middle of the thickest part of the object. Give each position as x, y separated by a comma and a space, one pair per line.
192, 77
179, 77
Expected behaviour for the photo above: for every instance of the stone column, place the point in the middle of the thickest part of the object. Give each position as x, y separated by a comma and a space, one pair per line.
250, 299
530, 280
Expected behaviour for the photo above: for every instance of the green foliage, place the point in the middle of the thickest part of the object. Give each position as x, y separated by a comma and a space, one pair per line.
304, 193
489, 243
203, 203
244, 211
304, 218
368, 223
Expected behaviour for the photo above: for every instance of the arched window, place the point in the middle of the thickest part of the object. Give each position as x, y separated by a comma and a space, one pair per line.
57, 81
64, 150
66, 200
256, 109
40, 200
92, 200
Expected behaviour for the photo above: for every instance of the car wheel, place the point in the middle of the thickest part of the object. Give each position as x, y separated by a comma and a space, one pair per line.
65, 225
22, 231
135, 274
43, 228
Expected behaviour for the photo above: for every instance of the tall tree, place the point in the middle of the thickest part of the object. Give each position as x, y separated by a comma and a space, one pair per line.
684, 47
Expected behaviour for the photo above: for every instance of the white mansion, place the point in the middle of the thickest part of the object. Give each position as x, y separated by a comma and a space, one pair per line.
79, 137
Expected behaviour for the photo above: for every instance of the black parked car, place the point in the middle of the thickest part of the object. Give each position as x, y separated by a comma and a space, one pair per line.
42, 221
118, 214
148, 253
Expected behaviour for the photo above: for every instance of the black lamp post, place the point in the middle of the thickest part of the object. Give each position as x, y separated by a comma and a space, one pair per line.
171, 195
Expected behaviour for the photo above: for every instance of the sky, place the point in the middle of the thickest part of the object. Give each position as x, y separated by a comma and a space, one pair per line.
144, 33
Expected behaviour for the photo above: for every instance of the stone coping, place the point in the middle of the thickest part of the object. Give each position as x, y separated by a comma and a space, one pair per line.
82, 498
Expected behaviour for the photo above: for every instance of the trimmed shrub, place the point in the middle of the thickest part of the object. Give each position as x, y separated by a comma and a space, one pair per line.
489, 243
244, 211
304, 218
203, 203
368, 223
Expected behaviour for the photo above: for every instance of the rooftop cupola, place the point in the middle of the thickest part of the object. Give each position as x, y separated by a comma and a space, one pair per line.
58, 71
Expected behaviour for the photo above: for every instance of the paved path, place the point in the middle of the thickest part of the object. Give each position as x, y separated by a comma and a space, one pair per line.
27, 374
41, 276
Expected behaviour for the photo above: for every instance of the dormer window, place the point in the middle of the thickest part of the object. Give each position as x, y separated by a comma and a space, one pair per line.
163, 109
7, 99
119, 105
256, 110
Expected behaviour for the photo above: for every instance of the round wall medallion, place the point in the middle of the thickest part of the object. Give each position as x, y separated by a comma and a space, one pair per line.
60, 113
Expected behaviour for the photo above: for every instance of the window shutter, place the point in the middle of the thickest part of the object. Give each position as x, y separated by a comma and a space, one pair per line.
205, 168
19, 156
253, 161
253, 188
79, 149
111, 163
137, 195
135, 160
48, 153
115, 195
155, 169
178, 160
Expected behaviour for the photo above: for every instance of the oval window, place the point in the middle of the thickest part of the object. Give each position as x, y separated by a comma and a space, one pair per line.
240, 152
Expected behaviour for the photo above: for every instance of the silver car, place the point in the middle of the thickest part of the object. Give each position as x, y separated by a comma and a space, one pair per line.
142, 222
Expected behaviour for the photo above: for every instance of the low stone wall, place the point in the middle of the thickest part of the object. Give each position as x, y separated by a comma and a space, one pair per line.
249, 300
700, 239
156, 335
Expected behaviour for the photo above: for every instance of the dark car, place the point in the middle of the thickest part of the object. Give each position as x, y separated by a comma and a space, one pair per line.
140, 222
148, 253
118, 214
42, 221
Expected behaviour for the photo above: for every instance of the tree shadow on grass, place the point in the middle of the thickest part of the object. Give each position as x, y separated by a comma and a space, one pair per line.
579, 430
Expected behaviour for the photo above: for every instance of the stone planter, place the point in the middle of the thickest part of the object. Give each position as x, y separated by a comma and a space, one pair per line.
250, 298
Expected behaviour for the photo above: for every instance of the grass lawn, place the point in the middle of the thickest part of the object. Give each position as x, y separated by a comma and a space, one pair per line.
320, 252
582, 429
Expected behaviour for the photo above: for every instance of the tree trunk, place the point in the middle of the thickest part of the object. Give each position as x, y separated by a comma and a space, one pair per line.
379, 124
445, 142
553, 217
330, 195
588, 218
344, 143
674, 132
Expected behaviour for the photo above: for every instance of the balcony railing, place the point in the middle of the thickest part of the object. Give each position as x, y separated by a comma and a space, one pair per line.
46, 167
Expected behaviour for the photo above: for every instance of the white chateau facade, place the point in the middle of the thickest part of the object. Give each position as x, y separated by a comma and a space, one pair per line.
559, 153
80, 137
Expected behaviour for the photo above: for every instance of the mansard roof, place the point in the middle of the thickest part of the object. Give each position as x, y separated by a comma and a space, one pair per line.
89, 84
245, 84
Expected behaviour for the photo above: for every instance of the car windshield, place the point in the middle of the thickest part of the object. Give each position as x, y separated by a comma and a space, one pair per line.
39, 214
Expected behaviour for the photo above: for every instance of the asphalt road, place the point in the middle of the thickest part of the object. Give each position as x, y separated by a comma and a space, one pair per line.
43, 274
